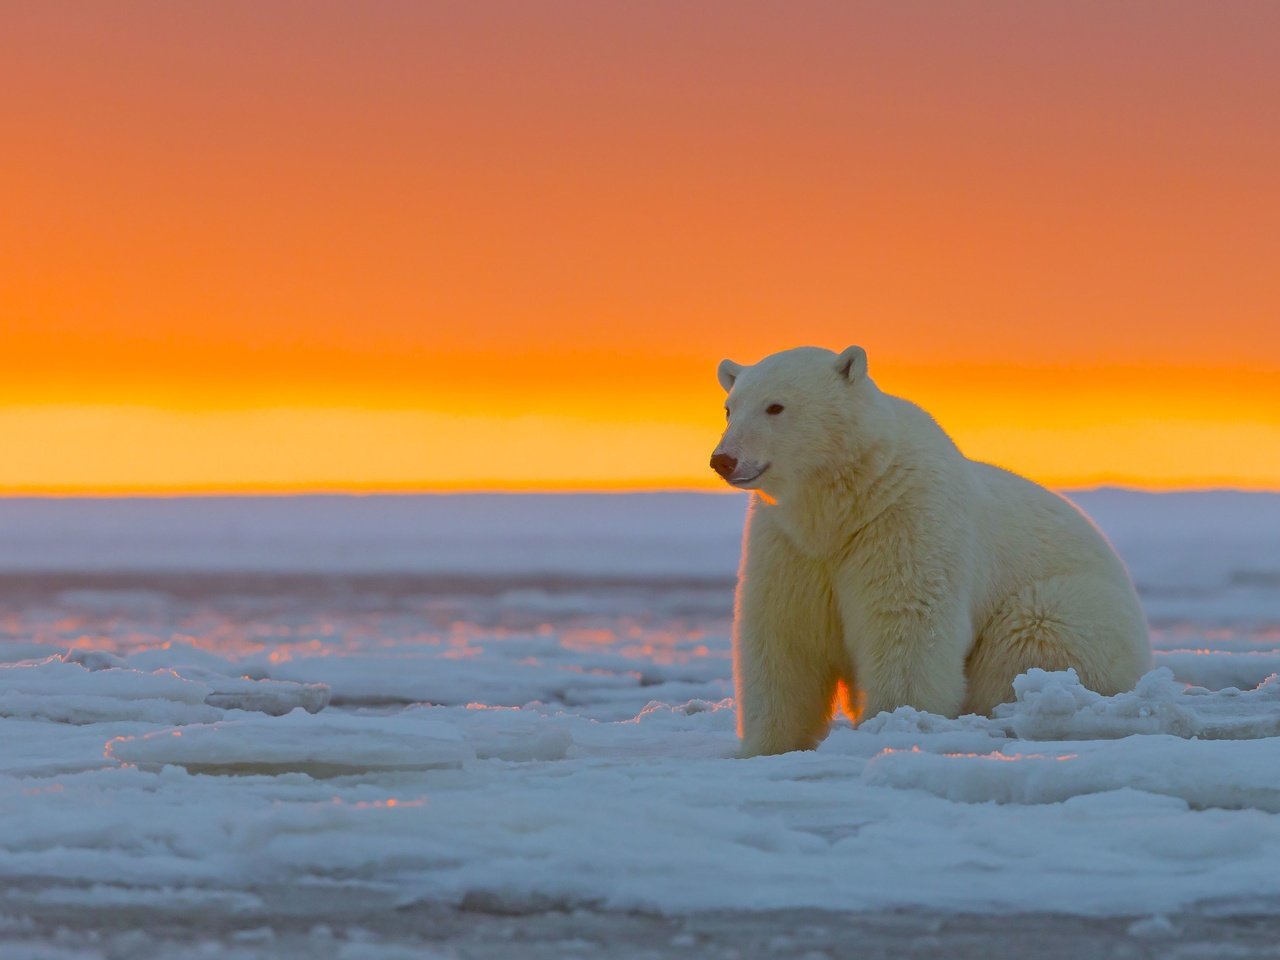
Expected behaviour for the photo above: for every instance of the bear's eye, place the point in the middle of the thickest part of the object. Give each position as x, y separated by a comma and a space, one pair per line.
726, 413
773, 409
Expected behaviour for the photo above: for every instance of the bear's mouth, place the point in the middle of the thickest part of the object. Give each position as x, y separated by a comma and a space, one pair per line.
745, 481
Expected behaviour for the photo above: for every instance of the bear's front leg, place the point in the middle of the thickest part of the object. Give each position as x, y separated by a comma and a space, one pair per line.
787, 653
908, 637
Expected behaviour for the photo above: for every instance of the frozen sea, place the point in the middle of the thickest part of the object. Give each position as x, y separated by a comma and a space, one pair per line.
502, 726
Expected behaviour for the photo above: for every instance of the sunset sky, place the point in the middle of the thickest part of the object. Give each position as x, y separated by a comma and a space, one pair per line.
477, 245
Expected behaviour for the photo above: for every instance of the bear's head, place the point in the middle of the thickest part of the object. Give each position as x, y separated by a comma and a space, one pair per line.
791, 415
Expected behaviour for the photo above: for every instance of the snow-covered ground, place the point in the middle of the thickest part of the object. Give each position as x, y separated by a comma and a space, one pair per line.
516, 703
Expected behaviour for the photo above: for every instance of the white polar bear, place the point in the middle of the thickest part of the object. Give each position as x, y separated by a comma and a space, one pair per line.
881, 562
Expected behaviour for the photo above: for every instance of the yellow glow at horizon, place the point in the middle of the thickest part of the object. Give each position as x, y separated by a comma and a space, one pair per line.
139, 449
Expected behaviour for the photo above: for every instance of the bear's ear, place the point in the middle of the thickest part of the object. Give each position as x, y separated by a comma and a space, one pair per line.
852, 364
727, 373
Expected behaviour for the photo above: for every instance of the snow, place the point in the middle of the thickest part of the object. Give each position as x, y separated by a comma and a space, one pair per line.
322, 746
95, 686
52, 689
526, 702
1233, 776
458, 535
1216, 669
1055, 706
1177, 543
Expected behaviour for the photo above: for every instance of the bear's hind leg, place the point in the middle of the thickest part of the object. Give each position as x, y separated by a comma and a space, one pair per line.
1079, 621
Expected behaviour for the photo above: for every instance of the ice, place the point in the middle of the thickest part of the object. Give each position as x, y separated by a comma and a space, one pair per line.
457, 535
508, 733
378, 951
1179, 545
438, 678
330, 745
338, 743
183, 658
40, 749
1056, 706
1158, 927
56, 690
526, 703
1217, 669
228, 692
274, 697
1237, 775
95, 687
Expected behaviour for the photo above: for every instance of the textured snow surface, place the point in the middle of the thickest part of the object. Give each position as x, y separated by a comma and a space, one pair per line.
528, 702
94, 686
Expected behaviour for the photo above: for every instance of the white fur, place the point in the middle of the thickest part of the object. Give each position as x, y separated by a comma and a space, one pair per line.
878, 558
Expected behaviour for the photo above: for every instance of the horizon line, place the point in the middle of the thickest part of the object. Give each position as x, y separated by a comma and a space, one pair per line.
290, 491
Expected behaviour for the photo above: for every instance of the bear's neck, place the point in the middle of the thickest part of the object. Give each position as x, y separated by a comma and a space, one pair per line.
825, 512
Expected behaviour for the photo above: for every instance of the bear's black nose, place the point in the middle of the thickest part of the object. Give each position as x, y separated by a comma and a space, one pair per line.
724, 465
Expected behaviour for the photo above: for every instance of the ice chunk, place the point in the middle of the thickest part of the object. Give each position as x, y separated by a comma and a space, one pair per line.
1057, 706
1217, 669
321, 745
1157, 927
374, 678
182, 657
1233, 775
91, 686
913, 721
95, 659
503, 733
54, 689
56, 676
274, 697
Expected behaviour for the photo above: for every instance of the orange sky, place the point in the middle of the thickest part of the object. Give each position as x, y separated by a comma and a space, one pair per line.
443, 245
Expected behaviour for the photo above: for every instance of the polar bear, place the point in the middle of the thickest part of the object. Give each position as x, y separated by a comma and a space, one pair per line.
883, 568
